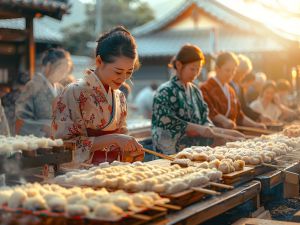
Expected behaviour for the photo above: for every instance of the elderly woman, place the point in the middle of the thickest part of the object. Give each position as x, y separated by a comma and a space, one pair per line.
34, 106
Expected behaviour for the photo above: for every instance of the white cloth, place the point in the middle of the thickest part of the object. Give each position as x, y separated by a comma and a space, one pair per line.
226, 92
144, 101
272, 111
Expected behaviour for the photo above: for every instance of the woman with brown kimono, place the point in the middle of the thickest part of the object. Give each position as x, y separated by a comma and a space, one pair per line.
224, 107
92, 111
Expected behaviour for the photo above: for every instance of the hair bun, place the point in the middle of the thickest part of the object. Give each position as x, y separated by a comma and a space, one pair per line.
112, 31
119, 29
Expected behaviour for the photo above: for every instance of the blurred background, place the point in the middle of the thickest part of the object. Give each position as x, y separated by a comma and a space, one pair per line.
264, 30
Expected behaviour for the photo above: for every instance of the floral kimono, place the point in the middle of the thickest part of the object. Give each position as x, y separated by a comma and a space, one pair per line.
86, 110
34, 106
4, 128
174, 106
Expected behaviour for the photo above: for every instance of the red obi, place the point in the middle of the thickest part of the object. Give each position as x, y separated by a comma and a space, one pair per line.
104, 156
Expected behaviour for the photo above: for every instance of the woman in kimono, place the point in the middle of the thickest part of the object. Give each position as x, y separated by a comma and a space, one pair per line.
92, 111
4, 127
180, 116
34, 105
224, 107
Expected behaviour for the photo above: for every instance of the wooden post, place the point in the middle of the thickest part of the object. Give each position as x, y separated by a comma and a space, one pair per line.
31, 46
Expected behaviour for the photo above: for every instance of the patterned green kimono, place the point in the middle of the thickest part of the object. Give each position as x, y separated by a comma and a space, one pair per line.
173, 107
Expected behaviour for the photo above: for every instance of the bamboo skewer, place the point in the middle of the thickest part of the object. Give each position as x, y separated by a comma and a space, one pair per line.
253, 129
221, 185
225, 136
169, 206
158, 154
273, 166
157, 208
206, 191
140, 217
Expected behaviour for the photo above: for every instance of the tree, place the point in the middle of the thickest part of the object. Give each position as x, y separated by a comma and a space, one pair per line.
129, 13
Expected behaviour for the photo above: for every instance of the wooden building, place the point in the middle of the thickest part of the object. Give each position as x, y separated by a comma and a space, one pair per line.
213, 27
18, 46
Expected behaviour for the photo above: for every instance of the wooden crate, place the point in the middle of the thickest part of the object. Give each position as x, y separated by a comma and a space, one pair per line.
239, 177
17, 216
255, 221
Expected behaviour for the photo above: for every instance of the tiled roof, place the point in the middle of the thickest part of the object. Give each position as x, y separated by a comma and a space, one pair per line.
53, 8
167, 43
212, 7
42, 33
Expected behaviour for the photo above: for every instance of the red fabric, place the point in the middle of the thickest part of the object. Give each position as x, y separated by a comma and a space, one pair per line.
104, 156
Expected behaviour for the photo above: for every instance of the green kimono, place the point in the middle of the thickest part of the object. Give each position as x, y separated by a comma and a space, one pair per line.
173, 107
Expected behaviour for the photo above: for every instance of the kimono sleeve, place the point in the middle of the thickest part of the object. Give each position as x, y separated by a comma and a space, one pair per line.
4, 128
68, 124
208, 98
240, 115
204, 108
25, 113
164, 116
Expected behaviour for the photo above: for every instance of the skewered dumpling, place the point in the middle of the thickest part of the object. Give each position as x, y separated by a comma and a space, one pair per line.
238, 165
214, 164
200, 157
35, 203
4, 196
176, 186
184, 155
77, 210
17, 199
123, 202
108, 211
57, 204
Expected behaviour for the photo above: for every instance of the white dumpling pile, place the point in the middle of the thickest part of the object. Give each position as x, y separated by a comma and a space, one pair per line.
85, 202
139, 177
251, 152
292, 131
12, 144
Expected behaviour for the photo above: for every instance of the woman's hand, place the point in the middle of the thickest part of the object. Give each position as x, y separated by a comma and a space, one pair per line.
127, 143
233, 133
228, 124
205, 131
260, 126
264, 119
124, 142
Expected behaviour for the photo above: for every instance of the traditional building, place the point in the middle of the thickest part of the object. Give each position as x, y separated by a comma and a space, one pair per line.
21, 36
213, 27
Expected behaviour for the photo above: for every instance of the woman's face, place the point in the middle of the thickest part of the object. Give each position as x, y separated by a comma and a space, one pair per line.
59, 70
116, 73
226, 72
268, 94
189, 72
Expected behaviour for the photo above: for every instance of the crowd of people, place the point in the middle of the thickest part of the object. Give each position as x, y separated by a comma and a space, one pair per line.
92, 111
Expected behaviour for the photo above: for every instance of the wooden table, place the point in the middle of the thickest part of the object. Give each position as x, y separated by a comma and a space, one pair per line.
214, 206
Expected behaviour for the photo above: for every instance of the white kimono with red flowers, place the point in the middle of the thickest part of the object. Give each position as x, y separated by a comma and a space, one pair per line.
85, 109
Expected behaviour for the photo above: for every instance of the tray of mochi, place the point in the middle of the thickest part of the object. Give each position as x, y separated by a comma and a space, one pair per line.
77, 203
31, 152
241, 160
29, 146
182, 186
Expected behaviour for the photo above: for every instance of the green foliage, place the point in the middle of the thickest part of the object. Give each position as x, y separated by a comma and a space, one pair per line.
129, 13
